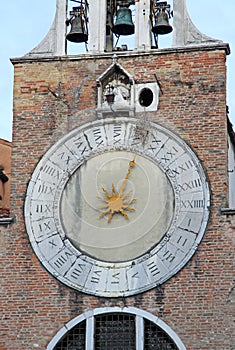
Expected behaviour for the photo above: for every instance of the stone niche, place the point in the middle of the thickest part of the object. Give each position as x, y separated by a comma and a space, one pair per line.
115, 92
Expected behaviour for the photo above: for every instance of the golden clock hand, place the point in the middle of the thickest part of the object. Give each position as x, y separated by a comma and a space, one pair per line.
117, 202
131, 165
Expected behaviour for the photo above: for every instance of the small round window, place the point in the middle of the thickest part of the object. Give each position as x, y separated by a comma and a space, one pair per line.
145, 97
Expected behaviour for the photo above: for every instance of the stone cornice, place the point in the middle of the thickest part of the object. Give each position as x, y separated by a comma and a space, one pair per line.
109, 55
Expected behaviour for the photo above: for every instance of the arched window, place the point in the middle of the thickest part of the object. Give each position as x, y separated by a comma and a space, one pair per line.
116, 329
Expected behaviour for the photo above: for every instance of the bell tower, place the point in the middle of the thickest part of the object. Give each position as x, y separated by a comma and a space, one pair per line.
97, 22
121, 233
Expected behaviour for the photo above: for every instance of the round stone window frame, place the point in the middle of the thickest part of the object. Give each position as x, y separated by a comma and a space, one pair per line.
140, 315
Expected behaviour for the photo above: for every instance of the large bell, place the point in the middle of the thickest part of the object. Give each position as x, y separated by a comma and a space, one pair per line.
124, 24
78, 32
162, 25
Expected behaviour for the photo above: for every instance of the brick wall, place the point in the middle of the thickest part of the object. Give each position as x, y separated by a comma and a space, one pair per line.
51, 97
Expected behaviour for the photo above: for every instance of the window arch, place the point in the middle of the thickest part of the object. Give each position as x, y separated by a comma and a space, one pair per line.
117, 329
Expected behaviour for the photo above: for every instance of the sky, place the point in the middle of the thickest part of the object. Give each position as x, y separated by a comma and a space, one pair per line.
23, 24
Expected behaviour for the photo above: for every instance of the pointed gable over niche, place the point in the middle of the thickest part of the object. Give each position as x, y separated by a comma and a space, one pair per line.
115, 91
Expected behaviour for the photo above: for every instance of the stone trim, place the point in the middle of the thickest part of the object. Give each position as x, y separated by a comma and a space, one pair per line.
228, 211
109, 55
6, 221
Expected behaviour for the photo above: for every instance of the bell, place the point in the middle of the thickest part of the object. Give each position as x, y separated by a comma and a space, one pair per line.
124, 24
78, 32
162, 25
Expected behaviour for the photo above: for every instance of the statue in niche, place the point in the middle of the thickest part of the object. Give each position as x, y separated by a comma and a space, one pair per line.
116, 93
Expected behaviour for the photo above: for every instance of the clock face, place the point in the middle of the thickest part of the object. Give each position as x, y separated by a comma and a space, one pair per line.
116, 207
133, 222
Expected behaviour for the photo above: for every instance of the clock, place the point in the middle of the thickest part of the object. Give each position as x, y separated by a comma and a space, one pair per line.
117, 206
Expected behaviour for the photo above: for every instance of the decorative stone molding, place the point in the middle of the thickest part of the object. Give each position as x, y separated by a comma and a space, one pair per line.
54, 42
185, 32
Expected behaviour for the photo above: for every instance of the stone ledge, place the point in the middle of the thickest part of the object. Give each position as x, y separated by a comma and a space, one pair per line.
228, 211
6, 221
109, 55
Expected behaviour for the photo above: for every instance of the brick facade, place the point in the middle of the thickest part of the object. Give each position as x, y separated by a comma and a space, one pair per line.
51, 97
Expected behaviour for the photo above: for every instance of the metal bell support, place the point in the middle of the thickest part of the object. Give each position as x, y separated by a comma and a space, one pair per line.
124, 24
78, 32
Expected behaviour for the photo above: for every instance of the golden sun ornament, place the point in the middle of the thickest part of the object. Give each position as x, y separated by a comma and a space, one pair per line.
117, 202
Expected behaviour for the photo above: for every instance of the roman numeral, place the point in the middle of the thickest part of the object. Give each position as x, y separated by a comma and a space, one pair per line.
192, 204
180, 169
64, 156
169, 155
117, 133
191, 185
42, 209
182, 241
49, 170
62, 259
185, 166
136, 275
153, 268
45, 189
45, 227
96, 276
168, 256
98, 137
78, 271
81, 146
154, 145
116, 277
52, 243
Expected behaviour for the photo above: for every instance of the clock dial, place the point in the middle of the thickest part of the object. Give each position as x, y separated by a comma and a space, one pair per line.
127, 235
114, 210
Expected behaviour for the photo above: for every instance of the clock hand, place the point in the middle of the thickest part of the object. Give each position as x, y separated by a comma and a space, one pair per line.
117, 202
131, 165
